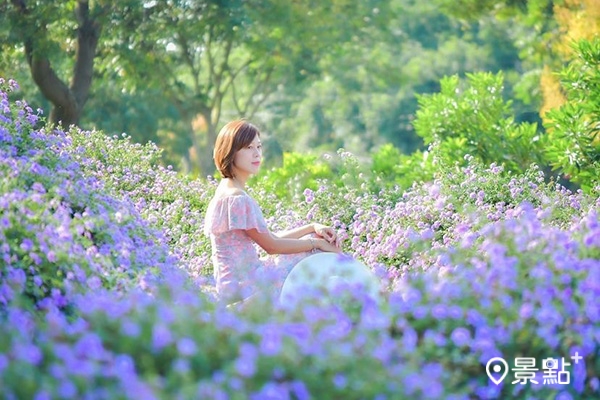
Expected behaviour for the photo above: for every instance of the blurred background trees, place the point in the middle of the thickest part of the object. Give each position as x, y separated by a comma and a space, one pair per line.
314, 75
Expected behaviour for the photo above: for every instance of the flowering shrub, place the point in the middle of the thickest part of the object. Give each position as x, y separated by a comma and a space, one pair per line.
523, 291
170, 203
475, 263
60, 231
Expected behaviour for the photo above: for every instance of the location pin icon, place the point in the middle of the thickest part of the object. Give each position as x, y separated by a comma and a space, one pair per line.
496, 369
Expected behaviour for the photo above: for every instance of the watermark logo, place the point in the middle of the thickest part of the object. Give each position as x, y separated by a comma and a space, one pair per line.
494, 369
525, 370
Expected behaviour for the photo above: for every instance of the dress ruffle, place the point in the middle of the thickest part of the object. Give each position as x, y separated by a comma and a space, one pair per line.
228, 213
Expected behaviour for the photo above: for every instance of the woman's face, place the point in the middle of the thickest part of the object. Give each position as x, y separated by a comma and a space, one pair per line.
247, 160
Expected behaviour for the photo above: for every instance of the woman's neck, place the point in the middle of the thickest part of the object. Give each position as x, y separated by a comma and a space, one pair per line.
238, 183
240, 177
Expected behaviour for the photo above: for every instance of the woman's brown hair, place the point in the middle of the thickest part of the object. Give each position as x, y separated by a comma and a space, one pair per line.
234, 136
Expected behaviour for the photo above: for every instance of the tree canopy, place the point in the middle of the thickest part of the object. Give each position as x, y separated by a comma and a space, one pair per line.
311, 74
60, 43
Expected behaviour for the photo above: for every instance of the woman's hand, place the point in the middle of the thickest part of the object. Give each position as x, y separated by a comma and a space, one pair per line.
326, 233
324, 245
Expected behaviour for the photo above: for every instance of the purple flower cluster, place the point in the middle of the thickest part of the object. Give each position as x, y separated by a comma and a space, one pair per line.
171, 204
60, 230
474, 265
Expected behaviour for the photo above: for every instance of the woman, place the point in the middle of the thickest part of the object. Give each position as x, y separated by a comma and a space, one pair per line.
235, 222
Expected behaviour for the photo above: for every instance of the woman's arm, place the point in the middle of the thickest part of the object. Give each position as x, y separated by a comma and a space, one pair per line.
296, 233
275, 245
322, 231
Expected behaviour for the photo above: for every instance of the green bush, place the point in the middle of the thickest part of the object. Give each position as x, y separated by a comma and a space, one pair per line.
573, 141
473, 118
392, 168
298, 172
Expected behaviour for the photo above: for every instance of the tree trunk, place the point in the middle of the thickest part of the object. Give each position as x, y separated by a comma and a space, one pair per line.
199, 150
204, 152
64, 106
88, 35
67, 101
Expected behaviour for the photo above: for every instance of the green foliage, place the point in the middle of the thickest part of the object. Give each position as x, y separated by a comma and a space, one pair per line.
139, 113
388, 173
473, 118
298, 172
229, 58
373, 103
392, 168
536, 13
159, 66
58, 41
573, 141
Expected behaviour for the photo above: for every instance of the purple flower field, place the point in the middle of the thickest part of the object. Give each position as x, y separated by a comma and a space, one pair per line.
106, 292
